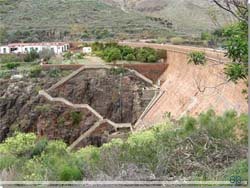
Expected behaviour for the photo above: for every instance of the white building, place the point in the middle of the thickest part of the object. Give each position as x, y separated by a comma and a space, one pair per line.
57, 47
87, 50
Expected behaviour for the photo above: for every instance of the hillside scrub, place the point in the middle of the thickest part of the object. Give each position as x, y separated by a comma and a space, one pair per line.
113, 52
202, 148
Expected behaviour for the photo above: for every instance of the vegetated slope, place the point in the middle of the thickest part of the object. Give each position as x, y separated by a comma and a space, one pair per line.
193, 149
189, 16
91, 16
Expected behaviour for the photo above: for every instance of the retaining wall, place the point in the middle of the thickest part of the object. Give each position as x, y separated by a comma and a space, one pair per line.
150, 71
191, 89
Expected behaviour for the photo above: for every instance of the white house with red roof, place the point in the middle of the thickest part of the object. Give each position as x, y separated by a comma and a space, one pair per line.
22, 48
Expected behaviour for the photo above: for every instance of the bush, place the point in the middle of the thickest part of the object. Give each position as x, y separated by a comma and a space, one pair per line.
151, 58
80, 55
12, 65
31, 56
76, 117
19, 144
198, 58
142, 55
130, 57
67, 55
69, 173
177, 40
126, 50
35, 71
118, 70
147, 55
180, 148
40, 147
54, 72
46, 54
5, 74
10, 58
112, 54
206, 36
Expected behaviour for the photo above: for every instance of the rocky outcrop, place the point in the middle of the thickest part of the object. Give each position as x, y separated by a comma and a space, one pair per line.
117, 100
120, 99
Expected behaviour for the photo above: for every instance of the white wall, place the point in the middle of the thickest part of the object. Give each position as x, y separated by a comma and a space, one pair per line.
24, 49
87, 50
6, 48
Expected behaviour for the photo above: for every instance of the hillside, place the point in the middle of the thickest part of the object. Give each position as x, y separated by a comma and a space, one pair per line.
189, 16
74, 18
37, 20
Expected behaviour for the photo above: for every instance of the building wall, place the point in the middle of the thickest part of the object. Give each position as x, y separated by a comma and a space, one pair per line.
24, 49
2, 49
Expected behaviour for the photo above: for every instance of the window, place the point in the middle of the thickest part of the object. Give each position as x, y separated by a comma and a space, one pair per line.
36, 49
4, 50
26, 49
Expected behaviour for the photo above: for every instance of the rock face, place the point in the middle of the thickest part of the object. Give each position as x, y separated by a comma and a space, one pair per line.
118, 98
17, 102
121, 99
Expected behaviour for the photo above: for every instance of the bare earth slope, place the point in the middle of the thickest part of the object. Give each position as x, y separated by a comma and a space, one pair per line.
190, 16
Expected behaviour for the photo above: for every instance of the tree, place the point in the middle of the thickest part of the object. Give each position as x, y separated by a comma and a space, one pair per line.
237, 50
238, 8
236, 37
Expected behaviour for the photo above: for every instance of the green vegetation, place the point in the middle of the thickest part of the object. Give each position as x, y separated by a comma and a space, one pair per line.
10, 58
198, 58
177, 40
31, 56
76, 117
113, 52
35, 71
118, 70
12, 65
46, 54
76, 20
237, 50
195, 148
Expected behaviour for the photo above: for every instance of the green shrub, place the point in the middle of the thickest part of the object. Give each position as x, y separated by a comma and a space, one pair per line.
46, 54
177, 40
80, 55
33, 170
10, 58
130, 57
206, 36
54, 72
19, 144
76, 117
67, 55
112, 54
151, 58
142, 55
117, 71
40, 146
7, 161
198, 58
147, 55
239, 169
126, 50
31, 56
90, 154
5, 74
12, 65
35, 71
69, 173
